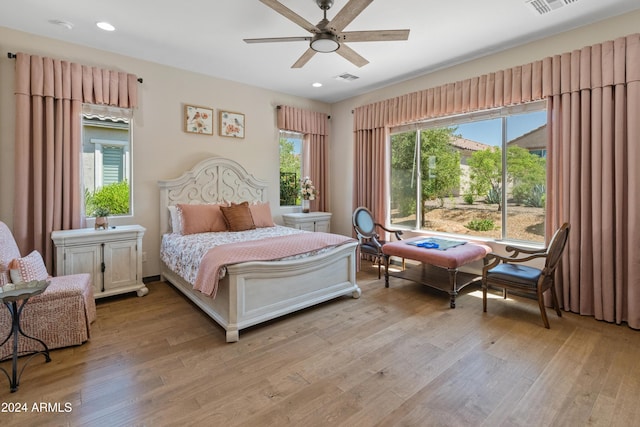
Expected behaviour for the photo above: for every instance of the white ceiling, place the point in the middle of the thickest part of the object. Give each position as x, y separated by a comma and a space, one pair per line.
206, 36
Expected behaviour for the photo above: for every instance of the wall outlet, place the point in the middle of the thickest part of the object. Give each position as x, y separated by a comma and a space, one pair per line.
144, 257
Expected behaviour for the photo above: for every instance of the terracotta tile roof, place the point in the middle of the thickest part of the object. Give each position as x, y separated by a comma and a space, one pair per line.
467, 144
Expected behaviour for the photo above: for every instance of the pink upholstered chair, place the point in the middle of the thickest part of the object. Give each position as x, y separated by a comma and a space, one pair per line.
61, 316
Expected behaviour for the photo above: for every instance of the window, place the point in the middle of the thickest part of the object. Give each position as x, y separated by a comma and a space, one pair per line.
106, 159
290, 167
453, 175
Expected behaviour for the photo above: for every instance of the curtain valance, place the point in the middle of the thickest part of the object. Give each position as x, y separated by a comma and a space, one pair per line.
611, 63
303, 121
60, 79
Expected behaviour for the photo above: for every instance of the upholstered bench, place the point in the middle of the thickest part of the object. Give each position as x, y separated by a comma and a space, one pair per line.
445, 276
61, 316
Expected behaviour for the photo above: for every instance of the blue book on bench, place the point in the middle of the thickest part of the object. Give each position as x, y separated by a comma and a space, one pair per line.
436, 243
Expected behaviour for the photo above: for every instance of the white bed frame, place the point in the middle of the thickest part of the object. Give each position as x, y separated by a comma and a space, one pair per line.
254, 292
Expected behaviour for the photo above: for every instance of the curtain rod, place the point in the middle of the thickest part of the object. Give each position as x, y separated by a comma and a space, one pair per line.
13, 56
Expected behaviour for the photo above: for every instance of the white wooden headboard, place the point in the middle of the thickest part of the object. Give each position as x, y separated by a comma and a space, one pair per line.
213, 180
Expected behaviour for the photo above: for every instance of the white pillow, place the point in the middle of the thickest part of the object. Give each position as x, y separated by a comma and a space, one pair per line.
28, 268
4, 277
176, 219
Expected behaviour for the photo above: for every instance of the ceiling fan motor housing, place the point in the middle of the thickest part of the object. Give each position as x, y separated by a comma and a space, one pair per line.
324, 4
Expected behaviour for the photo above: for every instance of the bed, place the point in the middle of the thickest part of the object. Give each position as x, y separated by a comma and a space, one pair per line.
253, 292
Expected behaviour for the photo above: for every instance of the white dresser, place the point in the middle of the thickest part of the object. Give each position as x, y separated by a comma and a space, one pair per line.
113, 257
312, 221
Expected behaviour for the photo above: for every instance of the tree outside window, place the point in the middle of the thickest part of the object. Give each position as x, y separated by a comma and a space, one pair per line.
290, 168
451, 178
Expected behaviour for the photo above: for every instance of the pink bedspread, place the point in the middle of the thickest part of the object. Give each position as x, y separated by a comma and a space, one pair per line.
270, 249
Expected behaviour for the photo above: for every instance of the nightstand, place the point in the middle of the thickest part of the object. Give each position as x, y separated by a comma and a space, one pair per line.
113, 257
312, 221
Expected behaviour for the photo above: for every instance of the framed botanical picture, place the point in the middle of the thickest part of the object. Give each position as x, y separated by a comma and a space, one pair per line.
231, 124
198, 119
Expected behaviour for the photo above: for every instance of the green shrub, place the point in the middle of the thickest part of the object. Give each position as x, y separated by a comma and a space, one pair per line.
113, 197
520, 193
481, 225
468, 198
536, 197
494, 196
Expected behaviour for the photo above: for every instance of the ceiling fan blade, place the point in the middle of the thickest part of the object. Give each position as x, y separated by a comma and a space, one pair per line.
304, 58
278, 39
347, 14
351, 55
291, 15
373, 36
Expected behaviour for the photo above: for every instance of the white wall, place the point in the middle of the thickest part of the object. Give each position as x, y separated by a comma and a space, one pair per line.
161, 150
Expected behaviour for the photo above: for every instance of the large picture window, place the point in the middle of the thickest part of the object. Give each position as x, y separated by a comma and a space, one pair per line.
482, 174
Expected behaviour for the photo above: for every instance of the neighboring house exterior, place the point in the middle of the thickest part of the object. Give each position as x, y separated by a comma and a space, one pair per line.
534, 141
105, 152
466, 148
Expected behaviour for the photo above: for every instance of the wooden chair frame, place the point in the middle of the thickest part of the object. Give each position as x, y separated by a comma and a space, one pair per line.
552, 255
368, 237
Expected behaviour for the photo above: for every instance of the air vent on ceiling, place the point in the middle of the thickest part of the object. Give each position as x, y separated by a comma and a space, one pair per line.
542, 7
346, 77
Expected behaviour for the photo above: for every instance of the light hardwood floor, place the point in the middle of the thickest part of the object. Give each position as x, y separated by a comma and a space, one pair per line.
394, 357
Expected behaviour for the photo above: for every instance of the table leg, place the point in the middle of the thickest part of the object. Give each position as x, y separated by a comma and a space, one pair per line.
386, 271
453, 272
16, 331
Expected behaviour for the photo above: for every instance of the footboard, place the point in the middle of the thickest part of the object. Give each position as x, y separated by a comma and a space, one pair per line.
254, 292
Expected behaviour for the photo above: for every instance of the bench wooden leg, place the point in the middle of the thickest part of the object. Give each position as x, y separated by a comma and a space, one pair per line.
452, 282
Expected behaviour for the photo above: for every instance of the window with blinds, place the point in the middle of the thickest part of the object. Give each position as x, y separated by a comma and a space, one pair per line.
112, 165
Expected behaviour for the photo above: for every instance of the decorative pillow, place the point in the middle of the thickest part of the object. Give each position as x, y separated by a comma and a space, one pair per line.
261, 214
175, 218
238, 217
28, 268
202, 218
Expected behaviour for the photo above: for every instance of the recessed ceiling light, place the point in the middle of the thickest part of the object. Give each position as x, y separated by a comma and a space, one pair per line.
105, 26
66, 24
317, 84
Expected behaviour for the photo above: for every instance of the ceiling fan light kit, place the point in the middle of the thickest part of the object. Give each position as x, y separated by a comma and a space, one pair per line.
327, 35
324, 43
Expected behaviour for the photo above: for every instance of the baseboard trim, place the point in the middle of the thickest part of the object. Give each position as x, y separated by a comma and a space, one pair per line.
151, 279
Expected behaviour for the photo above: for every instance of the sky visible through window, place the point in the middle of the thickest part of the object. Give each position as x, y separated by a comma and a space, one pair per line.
489, 131
297, 144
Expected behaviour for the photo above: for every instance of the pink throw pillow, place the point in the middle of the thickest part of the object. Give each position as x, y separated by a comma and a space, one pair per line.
202, 218
261, 213
28, 268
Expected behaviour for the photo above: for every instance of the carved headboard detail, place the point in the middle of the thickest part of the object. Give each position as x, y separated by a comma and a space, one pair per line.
213, 180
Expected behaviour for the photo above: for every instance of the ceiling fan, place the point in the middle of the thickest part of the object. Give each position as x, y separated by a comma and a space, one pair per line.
328, 35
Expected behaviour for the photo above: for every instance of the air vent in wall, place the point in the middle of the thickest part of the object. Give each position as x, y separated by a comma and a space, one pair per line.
346, 77
542, 7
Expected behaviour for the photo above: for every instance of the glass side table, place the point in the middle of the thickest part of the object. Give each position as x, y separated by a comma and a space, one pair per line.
15, 300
